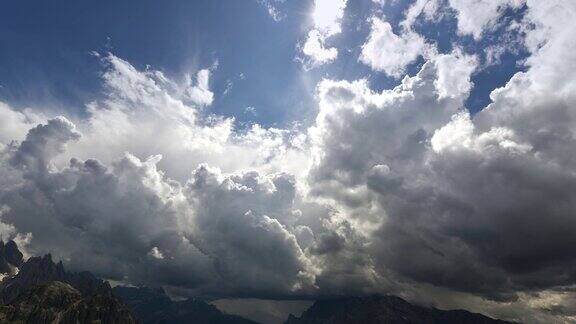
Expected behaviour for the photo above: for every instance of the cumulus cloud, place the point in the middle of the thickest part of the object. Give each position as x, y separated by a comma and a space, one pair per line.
327, 16
391, 50
315, 49
200, 93
243, 222
15, 124
42, 144
388, 52
454, 71
477, 16
426, 8
462, 194
123, 214
145, 113
138, 223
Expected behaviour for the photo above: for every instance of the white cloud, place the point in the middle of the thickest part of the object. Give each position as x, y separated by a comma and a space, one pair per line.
200, 93
156, 253
460, 134
147, 115
42, 144
385, 51
454, 72
314, 48
327, 16
427, 8
474, 17
15, 124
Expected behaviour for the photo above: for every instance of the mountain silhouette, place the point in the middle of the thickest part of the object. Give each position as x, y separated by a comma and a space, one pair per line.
154, 306
383, 310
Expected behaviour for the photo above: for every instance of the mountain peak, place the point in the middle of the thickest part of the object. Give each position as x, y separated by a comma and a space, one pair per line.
10, 257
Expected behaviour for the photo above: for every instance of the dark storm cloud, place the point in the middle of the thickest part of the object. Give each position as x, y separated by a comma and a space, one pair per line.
479, 204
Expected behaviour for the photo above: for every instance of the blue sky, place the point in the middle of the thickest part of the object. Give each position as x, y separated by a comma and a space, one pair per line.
45, 52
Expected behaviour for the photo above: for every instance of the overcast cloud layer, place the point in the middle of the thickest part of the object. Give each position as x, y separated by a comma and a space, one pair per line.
401, 191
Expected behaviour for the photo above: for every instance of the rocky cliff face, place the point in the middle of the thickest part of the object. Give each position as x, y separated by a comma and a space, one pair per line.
44, 292
154, 306
383, 309
10, 258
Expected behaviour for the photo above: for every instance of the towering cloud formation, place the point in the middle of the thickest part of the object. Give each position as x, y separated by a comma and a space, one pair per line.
136, 222
398, 191
127, 216
42, 144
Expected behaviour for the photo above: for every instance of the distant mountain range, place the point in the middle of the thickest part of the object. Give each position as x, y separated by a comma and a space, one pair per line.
383, 309
41, 291
154, 306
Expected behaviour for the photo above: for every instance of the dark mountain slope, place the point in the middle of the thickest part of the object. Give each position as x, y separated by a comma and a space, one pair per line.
152, 306
58, 302
383, 309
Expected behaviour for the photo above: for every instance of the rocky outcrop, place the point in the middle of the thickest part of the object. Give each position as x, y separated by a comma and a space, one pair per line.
383, 309
42, 270
10, 258
58, 302
154, 306
11, 253
44, 292
100, 308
